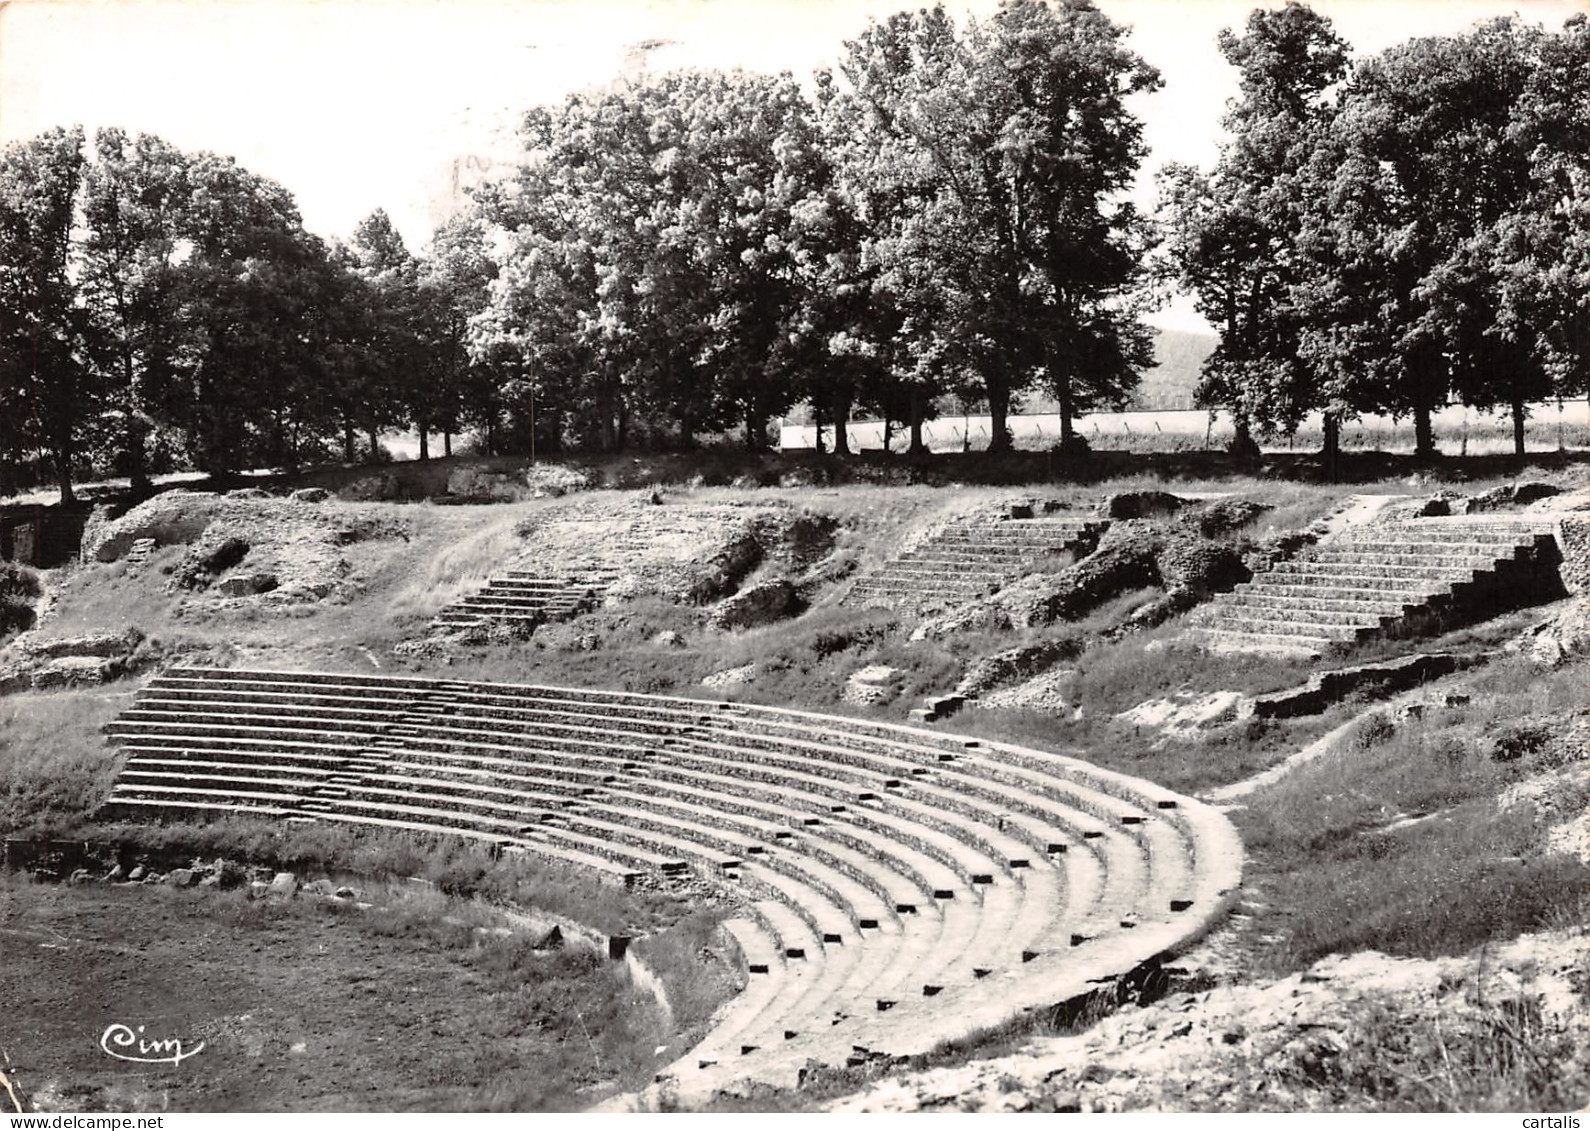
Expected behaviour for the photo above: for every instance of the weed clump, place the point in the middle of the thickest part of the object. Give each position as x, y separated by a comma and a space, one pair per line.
1374, 730
1515, 740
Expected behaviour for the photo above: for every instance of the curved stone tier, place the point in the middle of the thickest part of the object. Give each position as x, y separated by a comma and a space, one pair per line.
900, 887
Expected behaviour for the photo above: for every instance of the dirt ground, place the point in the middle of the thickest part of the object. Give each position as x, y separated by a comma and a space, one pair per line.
331, 1008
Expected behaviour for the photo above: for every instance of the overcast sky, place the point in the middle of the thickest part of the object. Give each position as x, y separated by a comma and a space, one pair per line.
360, 104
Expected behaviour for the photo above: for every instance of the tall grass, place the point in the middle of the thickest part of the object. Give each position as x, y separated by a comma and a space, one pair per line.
1395, 840
461, 565
55, 769
1500, 1055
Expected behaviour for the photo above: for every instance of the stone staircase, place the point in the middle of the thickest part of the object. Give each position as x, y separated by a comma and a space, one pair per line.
137, 555
1406, 578
518, 597
969, 560
897, 887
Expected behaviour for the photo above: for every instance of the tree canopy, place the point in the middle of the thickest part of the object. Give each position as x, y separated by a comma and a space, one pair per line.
946, 215
1391, 234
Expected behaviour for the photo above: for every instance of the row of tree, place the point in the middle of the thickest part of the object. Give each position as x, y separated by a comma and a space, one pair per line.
946, 215
160, 309
679, 256
1390, 236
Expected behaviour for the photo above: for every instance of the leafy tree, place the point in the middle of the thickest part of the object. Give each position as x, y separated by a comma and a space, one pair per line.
1010, 144
454, 280
1232, 235
748, 150
249, 379
1540, 252
397, 345
1417, 170
132, 259
848, 329
647, 265
45, 388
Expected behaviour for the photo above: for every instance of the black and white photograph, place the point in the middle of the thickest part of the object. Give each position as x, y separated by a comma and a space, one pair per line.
810, 557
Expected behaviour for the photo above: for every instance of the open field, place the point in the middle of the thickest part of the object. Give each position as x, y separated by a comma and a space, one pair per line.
1551, 427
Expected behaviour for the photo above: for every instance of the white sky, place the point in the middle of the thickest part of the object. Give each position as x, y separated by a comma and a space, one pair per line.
360, 104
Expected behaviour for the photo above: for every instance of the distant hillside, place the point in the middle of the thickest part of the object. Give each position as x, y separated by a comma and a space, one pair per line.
1170, 384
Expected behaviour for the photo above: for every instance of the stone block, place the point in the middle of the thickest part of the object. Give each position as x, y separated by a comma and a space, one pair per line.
247, 585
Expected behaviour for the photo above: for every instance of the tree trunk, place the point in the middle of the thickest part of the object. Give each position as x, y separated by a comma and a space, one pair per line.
1067, 411
998, 417
375, 444
604, 409
755, 431
276, 455
425, 441
888, 433
447, 442
1423, 428
63, 476
918, 411
137, 466
841, 410
1243, 445
1332, 445
1518, 423
347, 440
491, 433
1060, 382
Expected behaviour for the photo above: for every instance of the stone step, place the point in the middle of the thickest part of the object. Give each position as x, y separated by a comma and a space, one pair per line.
1406, 590
1261, 598
1368, 574
1282, 624
1298, 643
1420, 556
1479, 533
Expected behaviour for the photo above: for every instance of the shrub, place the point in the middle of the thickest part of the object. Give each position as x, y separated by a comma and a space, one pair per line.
1514, 740
1375, 729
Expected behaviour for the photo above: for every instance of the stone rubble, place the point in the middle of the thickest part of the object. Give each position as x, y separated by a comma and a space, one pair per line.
1285, 1045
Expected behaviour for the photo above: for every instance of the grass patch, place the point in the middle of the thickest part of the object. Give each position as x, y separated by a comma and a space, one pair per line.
1442, 887
404, 1006
461, 564
55, 769
1395, 840
455, 865
1498, 1056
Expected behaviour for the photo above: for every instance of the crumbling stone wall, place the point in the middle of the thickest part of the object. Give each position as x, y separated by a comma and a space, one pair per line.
1574, 542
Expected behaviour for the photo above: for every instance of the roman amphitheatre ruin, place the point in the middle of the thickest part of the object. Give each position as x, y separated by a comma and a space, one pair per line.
1189, 792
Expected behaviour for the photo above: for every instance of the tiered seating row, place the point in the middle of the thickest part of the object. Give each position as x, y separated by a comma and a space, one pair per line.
970, 560
899, 887
1391, 578
518, 597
